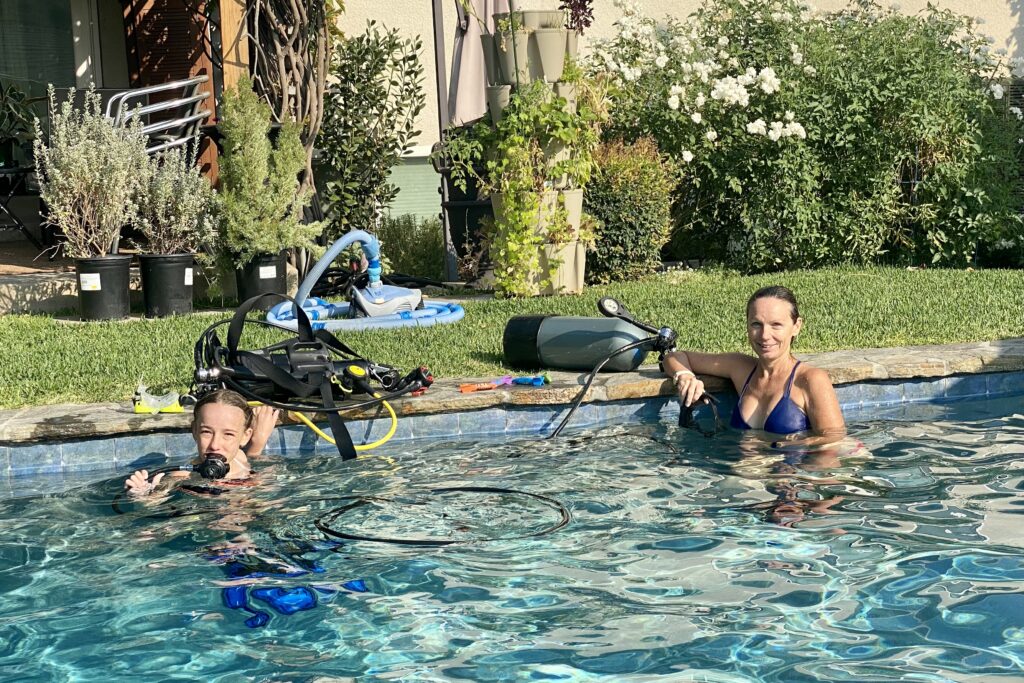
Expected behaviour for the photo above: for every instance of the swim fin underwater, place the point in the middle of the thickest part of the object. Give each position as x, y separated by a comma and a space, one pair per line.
283, 600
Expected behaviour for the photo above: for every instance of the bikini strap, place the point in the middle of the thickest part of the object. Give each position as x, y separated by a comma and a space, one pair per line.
747, 383
792, 376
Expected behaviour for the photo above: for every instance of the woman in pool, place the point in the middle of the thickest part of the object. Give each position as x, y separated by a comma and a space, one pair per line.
777, 393
225, 427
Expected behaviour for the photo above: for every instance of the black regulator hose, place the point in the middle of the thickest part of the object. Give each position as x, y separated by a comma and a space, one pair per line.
212, 467
593, 373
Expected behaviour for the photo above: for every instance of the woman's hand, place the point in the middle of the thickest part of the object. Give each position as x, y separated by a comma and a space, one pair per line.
689, 388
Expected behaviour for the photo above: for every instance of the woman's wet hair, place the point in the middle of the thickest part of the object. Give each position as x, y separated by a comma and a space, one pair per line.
776, 292
225, 397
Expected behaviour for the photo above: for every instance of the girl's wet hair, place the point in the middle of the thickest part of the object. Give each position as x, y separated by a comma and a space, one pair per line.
776, 292
225, 397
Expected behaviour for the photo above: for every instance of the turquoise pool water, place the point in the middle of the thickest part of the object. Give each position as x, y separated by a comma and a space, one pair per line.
686, 558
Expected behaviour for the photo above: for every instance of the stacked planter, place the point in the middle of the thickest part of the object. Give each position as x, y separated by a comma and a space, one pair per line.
533, 45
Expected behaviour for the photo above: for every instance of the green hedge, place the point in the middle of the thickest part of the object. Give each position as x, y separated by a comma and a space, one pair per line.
630, 195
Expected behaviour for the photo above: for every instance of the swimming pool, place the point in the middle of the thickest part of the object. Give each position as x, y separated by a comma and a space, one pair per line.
686, 558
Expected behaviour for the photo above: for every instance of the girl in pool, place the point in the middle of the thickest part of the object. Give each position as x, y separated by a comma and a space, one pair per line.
777, 393
224, 427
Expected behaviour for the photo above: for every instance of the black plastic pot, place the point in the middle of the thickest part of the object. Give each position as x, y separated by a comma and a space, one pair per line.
166, 284
103, 287
264, 274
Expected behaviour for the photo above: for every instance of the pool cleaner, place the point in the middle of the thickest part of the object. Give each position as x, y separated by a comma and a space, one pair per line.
370, 303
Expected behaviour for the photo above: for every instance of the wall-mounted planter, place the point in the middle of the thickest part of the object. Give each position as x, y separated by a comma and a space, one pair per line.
549, 52
568, 276
497, 99
539, 18
573, 200
567, 91
572, 44
493, 73
513, 57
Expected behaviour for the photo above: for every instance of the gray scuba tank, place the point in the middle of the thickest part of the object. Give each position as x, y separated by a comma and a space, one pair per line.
571, 343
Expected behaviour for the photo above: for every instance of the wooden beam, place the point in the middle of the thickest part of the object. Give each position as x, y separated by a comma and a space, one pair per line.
235, 39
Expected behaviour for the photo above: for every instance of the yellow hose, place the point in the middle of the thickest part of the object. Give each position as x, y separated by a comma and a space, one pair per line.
323, 435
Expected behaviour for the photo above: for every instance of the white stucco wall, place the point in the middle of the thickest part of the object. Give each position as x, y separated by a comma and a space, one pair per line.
1004, 20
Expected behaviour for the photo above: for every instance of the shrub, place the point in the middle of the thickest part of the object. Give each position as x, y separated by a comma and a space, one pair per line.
859, 136
90, 174
630, 195
260, 205
176, 212
413, 246
369, 123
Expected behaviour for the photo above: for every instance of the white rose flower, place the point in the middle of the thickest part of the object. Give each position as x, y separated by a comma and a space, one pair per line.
789, 115
687, 156
677, 90
769, 81
723, 41
696, 117
996, 90
661, 61
711, 135
757, 127
673, 102
798, 58
810, 70
699, 100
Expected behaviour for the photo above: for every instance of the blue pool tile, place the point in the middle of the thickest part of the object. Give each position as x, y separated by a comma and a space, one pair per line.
35, 459
5, 462
1005, 383
966, 386
441, 425
489, 422
849, 395
275, 443
138, 451
881, 393
91, 454
179, 445
924, 389
298, 439
369, 431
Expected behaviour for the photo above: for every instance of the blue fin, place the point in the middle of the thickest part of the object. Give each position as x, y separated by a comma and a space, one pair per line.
287, 601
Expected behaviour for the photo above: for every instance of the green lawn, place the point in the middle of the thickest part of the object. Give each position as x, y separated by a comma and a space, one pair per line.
44, 361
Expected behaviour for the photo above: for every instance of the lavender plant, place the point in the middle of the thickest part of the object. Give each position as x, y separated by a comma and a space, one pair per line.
91, 174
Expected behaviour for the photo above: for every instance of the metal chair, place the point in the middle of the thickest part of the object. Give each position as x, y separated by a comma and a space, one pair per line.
170, 122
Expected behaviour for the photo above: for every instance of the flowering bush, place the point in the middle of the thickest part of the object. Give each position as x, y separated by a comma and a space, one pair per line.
806, 140
176, 209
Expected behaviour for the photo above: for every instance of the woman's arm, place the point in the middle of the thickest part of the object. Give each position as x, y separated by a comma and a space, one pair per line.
684, 366
823, 410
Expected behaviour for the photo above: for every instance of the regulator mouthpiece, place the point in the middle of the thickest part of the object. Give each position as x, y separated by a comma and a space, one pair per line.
213, 467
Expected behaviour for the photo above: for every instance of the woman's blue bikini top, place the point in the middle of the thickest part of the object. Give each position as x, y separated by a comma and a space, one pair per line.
785, 418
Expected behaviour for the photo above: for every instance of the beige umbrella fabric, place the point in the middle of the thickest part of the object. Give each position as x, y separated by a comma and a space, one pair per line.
467, 98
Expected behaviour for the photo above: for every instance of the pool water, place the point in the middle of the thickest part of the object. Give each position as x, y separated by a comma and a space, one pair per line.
685, 558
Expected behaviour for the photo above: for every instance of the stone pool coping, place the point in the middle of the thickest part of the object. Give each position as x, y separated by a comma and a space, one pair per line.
26, 426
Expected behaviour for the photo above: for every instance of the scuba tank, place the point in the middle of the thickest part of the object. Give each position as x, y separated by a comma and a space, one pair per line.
572, 343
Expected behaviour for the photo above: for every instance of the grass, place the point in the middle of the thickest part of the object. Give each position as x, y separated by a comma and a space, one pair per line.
46, 361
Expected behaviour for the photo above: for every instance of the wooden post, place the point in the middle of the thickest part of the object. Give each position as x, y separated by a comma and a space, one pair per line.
235, 39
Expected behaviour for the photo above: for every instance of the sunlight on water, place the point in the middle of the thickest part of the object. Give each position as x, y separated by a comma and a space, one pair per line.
892, 556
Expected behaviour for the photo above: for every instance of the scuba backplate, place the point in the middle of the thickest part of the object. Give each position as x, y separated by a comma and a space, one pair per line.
311, 372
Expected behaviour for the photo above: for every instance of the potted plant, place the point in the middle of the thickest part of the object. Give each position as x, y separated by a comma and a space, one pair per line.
259, 204
91, 175
176, 218
16, 118
579, 15
535, 161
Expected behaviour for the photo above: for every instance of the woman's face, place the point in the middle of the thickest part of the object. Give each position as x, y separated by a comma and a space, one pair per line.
220, 430
770, 327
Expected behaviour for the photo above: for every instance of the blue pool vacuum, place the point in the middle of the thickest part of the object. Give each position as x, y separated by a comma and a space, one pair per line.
375, 306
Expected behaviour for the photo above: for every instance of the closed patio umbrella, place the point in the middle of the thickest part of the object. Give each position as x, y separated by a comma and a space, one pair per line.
467, 100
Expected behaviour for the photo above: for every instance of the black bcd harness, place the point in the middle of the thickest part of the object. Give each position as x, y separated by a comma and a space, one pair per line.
311, 372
